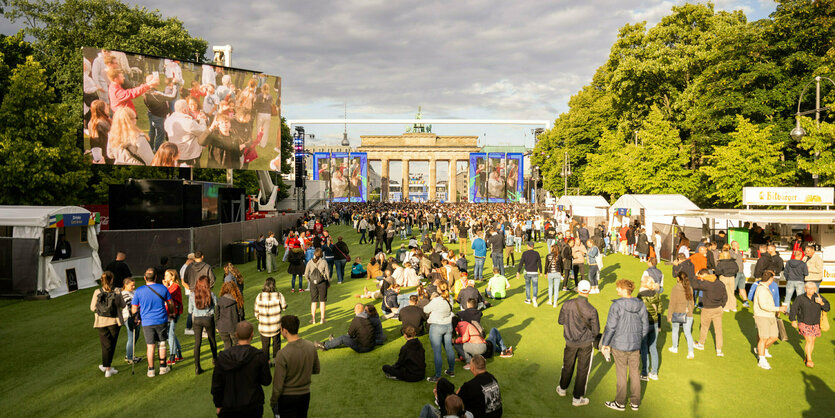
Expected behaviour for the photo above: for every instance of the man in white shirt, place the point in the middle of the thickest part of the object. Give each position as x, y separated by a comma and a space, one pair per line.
184, 132
99, 75
208, 76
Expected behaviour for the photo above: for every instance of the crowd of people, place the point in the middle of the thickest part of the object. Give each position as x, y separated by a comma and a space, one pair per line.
428, 285
223, 114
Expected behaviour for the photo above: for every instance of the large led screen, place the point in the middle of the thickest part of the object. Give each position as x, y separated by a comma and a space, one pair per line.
156, 111
495, 177
478, 177
514, 180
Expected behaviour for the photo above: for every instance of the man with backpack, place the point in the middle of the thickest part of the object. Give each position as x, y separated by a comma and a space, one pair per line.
151, 301
581, 328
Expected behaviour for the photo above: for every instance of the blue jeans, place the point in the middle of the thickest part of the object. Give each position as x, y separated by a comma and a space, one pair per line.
531, 279
594, 274
133, 337
330, 267
496, 338
347, 341
403, 299
174, 348
554, 280
479, 268
649, 347
688, 333
498, 262
156, 131
286, 253
293, 281
339, 265
792, 286
518, 242
441, 335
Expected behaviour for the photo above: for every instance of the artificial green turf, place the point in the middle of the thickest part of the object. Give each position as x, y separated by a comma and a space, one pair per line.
50, 354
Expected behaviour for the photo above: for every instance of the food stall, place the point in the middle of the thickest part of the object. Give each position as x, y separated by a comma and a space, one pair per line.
588, 209
65, 266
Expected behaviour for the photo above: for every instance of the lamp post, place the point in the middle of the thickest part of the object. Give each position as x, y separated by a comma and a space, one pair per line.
798, 132
566, 172
535, 178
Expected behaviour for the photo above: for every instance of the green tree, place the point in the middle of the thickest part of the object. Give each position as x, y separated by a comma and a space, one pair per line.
819, 139
659, 160
751, 158
607, 172
41, 164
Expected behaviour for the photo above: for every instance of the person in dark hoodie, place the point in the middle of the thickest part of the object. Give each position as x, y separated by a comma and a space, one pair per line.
260, 247
374, 318
713, 299
197, 269
443, 389
238, 376
626, 326
230, 311
411, 362
580, 328
360, 336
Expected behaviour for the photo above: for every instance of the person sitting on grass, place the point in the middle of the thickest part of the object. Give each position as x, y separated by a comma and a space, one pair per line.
470, 292
481, 394
455, 407
411, 362
442, 390
374, 270
497, 286
360, 336
374, 318
469, 342
412, 316
390, 305
357, 270
471, 313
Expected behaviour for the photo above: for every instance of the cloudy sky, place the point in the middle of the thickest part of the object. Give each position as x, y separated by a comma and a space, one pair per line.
461, 59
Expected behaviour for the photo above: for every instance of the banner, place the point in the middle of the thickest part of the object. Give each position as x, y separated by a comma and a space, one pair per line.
515, 176
340, 190
496, 177
478, 177
788, 196
358, 177
164, 112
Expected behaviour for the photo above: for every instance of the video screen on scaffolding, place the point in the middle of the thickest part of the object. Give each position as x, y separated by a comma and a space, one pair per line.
164, 112
345, 175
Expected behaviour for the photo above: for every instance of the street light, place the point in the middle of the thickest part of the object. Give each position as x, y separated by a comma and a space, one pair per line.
535, 178
798, 132
566, 172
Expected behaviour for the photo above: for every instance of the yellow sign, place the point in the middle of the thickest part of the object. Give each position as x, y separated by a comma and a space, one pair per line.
788, 196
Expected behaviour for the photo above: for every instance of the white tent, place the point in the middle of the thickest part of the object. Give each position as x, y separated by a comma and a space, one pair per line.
654, 208
589, 206
42, 223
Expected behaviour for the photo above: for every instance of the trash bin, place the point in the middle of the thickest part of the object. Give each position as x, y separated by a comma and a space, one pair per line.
250, 251
238, 252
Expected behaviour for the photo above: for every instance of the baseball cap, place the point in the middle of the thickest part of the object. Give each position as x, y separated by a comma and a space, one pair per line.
584, 286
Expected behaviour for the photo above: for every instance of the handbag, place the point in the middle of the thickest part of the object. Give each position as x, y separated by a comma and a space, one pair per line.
824, 321
170, 308
679, 317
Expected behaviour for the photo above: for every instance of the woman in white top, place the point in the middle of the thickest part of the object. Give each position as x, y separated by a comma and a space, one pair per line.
440, 330
126, 144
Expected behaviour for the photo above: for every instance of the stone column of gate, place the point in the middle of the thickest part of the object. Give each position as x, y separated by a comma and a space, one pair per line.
452, 183
432, 179
384, 177
404, 187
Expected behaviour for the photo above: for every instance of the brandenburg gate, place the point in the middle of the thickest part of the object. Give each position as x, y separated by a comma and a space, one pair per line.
422, 146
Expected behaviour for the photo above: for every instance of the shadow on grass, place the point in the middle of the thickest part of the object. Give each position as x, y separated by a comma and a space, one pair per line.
697, 392
818, 394
599, 367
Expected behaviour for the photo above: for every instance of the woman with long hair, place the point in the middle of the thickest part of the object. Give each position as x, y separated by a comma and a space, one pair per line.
234, 275
316, 272
553, 271
201, 306
439, 310
166, 155
269, 304
107, 307
126, 143
171, 280
99, 128
230, 311
680, 312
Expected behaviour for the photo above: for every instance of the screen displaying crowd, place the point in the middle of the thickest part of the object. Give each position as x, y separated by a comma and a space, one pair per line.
143, 110
346, 175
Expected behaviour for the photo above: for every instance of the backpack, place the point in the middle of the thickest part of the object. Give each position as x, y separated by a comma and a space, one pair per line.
315, 276
489, 352
107, 304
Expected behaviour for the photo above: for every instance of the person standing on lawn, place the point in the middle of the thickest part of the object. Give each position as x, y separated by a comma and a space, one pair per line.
764, 316
272, 251
260, 247
795, 273
814, 264
479, 248
740, 279
713, 301
626, 326
269, 304
531, 265
580, 328
681, 302
439, 310
294, 366
648, 292
341, 255
107, 304
238, 377
316, 272
150, 301
805, 315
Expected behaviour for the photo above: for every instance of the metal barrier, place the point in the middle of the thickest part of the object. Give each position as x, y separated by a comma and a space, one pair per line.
144, 247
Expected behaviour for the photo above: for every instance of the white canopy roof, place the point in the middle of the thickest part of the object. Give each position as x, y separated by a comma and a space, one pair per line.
765, 216
34, 215
587, 201
669, 204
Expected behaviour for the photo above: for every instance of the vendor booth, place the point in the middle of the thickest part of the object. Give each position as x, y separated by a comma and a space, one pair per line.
590, 210
656, 212
780, 226
66, 256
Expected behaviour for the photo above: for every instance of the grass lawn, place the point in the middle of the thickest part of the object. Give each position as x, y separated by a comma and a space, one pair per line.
50, 355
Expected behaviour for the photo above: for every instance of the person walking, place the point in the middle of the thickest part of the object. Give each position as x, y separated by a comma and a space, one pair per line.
151, 302
107, 305
764, 316
713, 301
581, 327
531, 265
294, 366
567, 261
238, 377
341, 255
201, 305
269, 304
230, 311
795, 273
814, 265
805, 315
626, 326
680, 313
316, 272
439, 310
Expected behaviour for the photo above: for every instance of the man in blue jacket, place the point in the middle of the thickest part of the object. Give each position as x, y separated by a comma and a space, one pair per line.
479, 254
626, 326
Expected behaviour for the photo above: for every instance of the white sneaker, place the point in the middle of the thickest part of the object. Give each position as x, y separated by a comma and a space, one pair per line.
111, 372
673, 350
560, 391
719, 353
151, 373
653, 376
102, 368
763, 364
767, 354
698, 346
535, 305
580, 402
690, 356
164, 370
189, 332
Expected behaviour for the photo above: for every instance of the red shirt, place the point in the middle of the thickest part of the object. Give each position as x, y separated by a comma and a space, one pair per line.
119, 97
293, 242
177, 297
